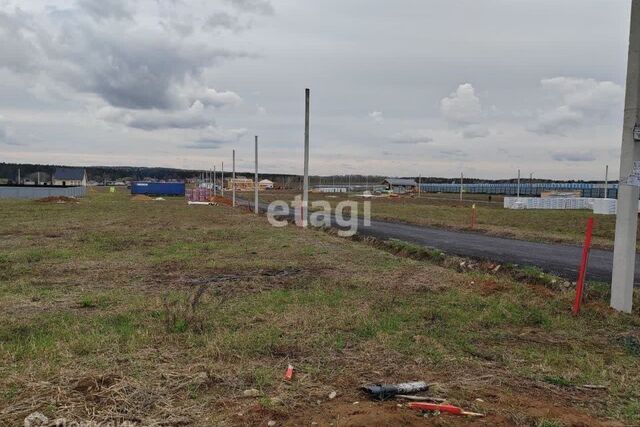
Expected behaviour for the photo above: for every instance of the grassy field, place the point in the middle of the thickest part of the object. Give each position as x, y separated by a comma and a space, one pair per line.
155, 312
444, 210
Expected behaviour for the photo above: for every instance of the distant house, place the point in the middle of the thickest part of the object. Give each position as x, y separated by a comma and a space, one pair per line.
400, 185
247, 184
70, 177
266, 184
241, 183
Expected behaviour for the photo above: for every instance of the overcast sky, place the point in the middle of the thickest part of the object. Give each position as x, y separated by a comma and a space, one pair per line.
404, 87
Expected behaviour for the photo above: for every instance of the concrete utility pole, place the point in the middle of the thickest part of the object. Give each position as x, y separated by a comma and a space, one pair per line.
624, 250
255, 185
461, 184
419, 184
305, 183
215, 190
18, 176
518, 190
531, 184
222, 180
233, 184
606, 182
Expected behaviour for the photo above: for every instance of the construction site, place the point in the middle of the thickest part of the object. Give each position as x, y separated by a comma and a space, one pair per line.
286, 265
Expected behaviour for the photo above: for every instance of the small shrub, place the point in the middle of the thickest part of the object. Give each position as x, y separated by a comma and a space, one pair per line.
87, 302
559, 381
181, 311
631, 344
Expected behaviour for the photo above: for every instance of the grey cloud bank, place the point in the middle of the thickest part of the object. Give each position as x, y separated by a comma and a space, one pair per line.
177, 83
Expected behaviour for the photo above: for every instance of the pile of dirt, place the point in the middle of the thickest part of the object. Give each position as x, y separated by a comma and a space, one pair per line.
141, 198
219, 200
58, 199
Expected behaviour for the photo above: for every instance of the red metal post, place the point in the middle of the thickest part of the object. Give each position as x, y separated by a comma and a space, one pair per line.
473, 216
583, 267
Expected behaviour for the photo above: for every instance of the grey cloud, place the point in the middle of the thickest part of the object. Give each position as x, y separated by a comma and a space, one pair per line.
123, 65
18, 52
582, 102
573, 157
7, 136
262, 7
217, 137
223, 20
557, 121
416, 136
183, 28
462, 107
141, 72
197, 116
209, 96
462, 110
475, 131
106, 9
451, 154
377, 116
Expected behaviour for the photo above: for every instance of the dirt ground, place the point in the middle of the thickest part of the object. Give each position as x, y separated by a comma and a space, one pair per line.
161, 313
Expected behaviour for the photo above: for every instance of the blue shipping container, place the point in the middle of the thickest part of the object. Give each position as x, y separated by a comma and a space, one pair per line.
158, 188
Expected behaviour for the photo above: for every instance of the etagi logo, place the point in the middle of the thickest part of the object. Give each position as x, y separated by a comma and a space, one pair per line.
345, 216
37, 419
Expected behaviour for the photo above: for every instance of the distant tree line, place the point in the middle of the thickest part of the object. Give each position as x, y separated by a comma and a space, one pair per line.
9, 171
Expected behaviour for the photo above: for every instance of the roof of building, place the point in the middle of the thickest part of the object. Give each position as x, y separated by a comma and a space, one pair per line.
70, 174
401, 182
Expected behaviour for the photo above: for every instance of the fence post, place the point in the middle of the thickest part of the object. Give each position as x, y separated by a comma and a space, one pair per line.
473, 216
583, 267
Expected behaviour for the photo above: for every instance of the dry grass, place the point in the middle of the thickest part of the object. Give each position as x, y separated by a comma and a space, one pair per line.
164, 313
445, 211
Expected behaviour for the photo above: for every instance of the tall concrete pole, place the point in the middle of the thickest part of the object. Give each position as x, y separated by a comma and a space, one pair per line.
222, 180
18, 176
233, 184
624, 250
419, 185
305, 183
461, 184
606, 182
255, 184
518, 190
213, 182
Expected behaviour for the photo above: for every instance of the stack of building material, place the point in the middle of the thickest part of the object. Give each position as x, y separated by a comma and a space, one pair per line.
605, 206
599, 206
548, 203
199, 194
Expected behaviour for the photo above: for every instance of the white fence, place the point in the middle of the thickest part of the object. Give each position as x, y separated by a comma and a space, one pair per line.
28, 192
599, 206
548, 203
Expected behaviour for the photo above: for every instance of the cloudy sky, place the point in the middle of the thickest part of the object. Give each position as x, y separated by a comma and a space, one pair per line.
403, 87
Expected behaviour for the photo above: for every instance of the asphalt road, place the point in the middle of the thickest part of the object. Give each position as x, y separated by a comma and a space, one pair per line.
561, 260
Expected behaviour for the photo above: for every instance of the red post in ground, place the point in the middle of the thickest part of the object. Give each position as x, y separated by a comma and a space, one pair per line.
473, 216
583, 267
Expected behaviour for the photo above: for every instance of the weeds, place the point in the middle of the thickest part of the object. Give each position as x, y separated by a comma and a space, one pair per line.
181, 310
631, 345
174, 301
